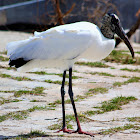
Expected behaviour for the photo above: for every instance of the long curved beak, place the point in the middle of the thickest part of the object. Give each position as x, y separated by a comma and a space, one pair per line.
120, 32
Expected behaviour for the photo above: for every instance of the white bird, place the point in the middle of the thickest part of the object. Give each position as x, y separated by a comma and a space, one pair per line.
61, 46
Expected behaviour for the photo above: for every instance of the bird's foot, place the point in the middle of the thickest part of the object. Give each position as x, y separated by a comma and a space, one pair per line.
80, 131
65, 130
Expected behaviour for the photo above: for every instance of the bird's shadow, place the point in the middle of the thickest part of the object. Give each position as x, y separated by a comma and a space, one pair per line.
22, 136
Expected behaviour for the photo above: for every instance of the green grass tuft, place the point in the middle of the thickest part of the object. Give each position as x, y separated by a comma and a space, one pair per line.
96, 91
137, 52
131, 80
7, 68
82, 118
59, 126
91, 112
55, 82
36, 133
42, 73
118, 84
102, 74
93, 64
59, 74
68, 101
67, 76
124, 76
3, 101
4, 58
111, 105
35, 91
121, 57
37, 108
34, 100
134, 119
15, 78
32, 134
118, 129
131, 70
55, 126
20, 115
112, 68
115, 103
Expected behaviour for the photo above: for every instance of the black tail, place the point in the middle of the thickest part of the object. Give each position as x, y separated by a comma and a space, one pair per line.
18, 62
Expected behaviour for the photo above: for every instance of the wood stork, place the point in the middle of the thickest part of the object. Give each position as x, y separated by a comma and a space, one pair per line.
61, 46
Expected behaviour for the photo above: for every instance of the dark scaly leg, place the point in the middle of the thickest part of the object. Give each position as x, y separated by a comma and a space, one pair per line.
79, 130
64, 129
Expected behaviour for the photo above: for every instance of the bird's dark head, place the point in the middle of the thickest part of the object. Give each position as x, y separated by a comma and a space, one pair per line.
111, 25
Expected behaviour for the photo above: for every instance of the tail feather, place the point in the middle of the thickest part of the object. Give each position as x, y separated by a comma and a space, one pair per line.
14, 50
12, 46
18, 62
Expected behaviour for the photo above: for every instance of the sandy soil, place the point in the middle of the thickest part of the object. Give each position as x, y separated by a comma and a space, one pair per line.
40, 120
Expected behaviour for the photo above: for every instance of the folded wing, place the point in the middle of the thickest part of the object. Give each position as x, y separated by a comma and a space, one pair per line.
56, 43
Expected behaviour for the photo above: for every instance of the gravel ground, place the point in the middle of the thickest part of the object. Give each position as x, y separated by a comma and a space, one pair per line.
42, 119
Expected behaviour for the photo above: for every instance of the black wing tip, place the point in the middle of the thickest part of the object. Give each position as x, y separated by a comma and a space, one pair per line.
18, 62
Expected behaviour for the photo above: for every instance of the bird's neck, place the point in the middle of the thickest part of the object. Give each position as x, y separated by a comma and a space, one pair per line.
107, 32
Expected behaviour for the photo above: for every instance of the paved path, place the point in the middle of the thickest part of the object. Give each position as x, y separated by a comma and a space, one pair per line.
42, 119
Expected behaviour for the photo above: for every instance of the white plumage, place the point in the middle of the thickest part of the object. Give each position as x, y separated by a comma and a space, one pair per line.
61, 46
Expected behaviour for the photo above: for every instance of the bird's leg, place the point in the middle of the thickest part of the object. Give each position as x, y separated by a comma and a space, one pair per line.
79, 130
64, 129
